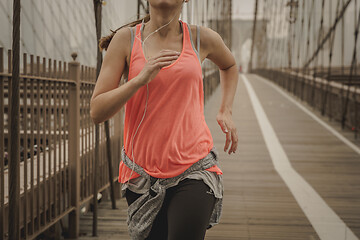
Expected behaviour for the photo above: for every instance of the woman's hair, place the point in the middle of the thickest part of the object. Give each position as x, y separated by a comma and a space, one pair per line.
105, 41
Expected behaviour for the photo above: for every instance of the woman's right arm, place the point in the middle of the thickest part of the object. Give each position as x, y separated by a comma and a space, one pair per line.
108, 98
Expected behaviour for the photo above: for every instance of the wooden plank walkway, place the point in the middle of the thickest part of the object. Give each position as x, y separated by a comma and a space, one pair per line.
257, 202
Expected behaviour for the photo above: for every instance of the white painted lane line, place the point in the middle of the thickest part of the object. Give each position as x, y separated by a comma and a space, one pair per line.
316, 118
324, 220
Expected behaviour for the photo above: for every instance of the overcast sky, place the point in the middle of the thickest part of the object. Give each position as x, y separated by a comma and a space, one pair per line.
243, 9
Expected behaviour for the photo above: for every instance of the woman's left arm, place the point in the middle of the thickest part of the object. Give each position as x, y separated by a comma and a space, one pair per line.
214, 48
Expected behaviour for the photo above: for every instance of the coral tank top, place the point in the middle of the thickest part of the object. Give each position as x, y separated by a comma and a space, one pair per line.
173, 134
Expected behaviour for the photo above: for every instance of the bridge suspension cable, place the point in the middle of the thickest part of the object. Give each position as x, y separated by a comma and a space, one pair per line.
309, 51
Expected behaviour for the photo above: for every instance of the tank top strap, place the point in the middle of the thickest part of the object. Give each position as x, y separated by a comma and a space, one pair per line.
192, 42
132, 37
137, 32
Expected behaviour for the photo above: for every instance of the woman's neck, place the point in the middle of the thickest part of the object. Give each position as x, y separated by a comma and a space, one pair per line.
160, 17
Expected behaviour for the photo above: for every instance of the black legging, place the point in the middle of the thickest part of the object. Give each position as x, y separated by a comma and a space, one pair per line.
185, 212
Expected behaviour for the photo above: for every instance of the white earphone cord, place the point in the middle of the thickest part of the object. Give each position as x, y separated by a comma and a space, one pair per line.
143, 42
132, 140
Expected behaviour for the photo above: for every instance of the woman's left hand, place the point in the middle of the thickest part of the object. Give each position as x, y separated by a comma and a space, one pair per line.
227, 125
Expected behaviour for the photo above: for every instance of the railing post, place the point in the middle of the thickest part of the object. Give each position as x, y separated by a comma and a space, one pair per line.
14, 97
74, 146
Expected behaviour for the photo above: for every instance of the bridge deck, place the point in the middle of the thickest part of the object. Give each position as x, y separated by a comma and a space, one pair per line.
266, 202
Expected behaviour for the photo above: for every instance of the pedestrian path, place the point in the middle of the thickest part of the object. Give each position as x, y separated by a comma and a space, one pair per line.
291, 177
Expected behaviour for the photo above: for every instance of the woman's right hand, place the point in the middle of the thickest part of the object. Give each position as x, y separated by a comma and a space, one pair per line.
155, 64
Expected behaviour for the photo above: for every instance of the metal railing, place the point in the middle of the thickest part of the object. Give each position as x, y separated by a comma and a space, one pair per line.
56, 144
327, 97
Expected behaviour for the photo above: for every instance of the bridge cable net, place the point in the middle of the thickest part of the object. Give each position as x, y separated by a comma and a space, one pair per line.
311, 52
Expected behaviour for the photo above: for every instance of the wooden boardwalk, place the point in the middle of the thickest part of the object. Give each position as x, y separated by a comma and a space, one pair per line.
258, 204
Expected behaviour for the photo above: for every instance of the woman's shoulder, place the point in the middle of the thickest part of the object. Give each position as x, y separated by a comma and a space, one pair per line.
122, 37
121, 42
208, 37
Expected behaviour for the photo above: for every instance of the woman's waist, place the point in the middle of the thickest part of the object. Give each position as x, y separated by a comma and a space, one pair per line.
160, 154
160, 166
141, 185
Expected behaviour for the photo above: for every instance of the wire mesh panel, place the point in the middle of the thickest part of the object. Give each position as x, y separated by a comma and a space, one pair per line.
55, 29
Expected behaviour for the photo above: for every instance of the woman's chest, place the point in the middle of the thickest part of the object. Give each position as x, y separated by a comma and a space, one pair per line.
152, 47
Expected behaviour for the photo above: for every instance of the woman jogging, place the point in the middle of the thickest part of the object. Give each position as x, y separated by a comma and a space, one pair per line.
169, 169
